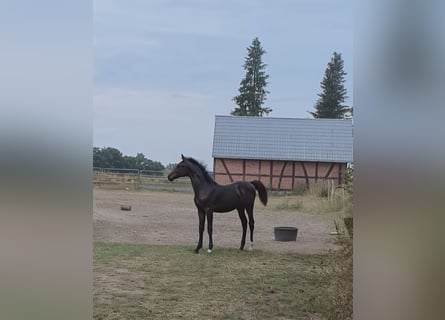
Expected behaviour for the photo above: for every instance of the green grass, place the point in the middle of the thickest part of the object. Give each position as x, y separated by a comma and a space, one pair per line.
312, 202
171, 282
286, 205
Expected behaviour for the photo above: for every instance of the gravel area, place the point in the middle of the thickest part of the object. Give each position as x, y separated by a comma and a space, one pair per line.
170, 218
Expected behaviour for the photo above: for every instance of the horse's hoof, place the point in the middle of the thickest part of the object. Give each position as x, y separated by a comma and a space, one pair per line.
196, 251
209, 251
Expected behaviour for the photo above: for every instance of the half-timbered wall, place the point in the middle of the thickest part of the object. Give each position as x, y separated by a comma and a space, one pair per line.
278, 175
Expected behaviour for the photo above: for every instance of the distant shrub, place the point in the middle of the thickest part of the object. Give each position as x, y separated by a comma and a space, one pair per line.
300, 189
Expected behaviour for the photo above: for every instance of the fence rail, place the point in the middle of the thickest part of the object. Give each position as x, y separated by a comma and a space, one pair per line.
135, 179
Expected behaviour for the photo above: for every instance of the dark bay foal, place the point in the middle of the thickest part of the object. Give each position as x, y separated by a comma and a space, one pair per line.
211, 197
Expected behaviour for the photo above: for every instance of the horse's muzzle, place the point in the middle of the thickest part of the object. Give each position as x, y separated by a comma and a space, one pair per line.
170, 177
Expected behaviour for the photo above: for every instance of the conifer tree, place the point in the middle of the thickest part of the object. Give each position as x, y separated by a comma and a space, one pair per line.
333, 95
252, 90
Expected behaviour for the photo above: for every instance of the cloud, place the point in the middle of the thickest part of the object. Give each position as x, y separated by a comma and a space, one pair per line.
159, 124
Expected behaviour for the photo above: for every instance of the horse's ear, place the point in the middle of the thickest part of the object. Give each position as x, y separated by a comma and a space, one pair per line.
182, 156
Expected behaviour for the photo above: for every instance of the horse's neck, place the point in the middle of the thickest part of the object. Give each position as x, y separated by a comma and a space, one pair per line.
199, 182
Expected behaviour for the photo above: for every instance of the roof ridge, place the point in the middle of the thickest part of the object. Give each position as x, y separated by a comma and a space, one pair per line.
280, 118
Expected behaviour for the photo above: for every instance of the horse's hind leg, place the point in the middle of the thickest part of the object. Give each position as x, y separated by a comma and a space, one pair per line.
210, 230
249, 210
243, 219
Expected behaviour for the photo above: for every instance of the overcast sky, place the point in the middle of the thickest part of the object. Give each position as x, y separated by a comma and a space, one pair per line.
163, 69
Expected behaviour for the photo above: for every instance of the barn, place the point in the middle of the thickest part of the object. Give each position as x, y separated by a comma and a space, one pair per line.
281, 152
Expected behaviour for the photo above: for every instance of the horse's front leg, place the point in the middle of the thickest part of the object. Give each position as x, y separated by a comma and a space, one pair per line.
202, 217
210, 230
243, 219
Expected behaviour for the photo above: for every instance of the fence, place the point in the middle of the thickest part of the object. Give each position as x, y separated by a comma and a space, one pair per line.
134, 179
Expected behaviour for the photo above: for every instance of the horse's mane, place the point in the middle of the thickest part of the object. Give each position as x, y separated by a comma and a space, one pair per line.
203, 168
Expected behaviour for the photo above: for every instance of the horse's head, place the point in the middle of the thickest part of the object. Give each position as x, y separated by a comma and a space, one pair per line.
181, 170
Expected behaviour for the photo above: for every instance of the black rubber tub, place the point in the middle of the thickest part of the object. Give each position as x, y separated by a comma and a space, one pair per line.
285, 233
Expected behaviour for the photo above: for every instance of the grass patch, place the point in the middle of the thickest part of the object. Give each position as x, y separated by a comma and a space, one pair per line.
287, 205
340, 270
171, 282
308, 202
320, 197
300, 189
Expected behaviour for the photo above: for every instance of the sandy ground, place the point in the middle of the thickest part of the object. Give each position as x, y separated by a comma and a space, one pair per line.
170, 218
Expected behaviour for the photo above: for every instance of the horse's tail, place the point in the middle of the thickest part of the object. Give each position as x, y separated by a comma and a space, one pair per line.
262, 192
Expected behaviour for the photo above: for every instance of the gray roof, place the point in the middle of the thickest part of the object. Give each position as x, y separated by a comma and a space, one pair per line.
324, 140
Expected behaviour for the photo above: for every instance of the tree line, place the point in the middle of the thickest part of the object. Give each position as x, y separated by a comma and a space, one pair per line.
253, 93
108, 157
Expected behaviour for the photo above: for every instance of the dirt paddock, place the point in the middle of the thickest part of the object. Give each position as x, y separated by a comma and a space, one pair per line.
170, 218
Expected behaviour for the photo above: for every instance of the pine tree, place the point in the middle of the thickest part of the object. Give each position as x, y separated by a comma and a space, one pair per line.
330, 102
252, 92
